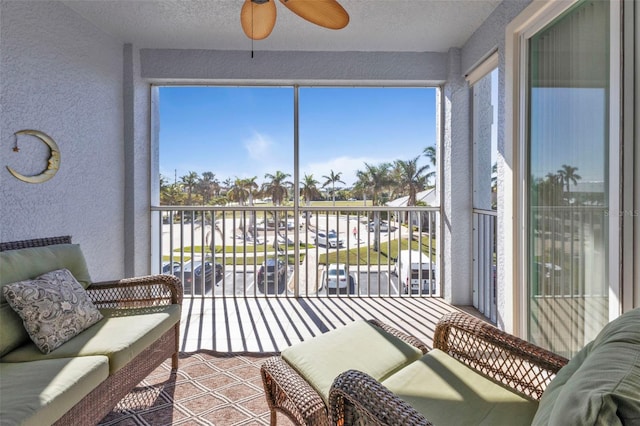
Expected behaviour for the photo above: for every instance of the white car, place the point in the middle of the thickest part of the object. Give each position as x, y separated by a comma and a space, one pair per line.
329, 239
383, 226
337, 277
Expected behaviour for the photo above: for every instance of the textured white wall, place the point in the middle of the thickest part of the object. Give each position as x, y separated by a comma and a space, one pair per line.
294, 66
61, 75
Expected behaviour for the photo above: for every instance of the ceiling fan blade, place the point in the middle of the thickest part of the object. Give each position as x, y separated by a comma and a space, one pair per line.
258, 18
326, 13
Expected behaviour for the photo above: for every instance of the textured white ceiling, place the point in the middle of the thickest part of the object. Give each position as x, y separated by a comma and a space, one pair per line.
375, 25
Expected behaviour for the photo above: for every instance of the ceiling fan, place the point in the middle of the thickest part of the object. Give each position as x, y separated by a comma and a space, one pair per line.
258, 17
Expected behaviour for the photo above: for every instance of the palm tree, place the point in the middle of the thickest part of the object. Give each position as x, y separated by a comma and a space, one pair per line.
170, 193
208, 186
309, 189
252, 188
226, 185
568, 174
244, 190
332, 179
494, 186
238, 191
374, 179
164, 190
359, 187
411, 178
430, 153
190, 180
276, 188
547, 191
494, 177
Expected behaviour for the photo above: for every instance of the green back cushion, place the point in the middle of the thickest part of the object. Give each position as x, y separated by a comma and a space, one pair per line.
448, 392
29, 263
601, 384
359, 345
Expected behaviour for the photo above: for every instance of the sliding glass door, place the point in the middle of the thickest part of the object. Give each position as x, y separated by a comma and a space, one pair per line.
568, 197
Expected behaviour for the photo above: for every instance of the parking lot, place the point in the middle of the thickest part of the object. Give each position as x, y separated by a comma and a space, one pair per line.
362, 283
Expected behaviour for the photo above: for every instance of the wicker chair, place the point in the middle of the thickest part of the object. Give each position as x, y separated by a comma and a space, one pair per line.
527, 369
121, 294
356, 398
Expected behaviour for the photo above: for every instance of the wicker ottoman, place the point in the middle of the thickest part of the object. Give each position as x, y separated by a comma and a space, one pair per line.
297, 382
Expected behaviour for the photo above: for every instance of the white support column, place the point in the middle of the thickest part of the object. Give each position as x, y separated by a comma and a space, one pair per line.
457, 185
136, 105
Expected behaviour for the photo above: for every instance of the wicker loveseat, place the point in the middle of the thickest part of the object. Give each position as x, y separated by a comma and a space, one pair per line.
79, 382
475, 374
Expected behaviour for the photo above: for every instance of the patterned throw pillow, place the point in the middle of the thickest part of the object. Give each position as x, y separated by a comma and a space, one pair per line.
54, 308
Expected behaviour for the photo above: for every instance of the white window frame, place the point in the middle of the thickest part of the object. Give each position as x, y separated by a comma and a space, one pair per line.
535, 17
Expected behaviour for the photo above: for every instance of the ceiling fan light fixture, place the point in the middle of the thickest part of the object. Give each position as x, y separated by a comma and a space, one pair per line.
258, 17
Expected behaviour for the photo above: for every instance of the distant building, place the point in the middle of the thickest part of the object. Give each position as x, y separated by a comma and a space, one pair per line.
427, 197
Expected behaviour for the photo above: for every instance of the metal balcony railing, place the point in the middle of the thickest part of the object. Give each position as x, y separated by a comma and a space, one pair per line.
484, 262
568, 251
282, 252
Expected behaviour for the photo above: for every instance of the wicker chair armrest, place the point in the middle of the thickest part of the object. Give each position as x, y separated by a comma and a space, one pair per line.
516, 363
288, 392
414, 341
357, 398
147, 290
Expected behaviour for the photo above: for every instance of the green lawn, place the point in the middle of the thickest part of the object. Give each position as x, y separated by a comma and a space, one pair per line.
362, 255
240, 261
239, 248
366, 255
257, 254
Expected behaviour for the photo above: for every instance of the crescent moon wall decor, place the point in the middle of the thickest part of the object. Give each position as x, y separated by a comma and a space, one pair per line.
53, 163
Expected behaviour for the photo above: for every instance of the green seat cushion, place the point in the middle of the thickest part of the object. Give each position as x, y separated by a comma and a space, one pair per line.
447, 392
359, 345
121, 335
601, 383
40, 392
26, 264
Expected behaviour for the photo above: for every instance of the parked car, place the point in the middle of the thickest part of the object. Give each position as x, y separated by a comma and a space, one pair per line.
270, 224
384, 226
337, 277
192, 273
328, 239
272, 276
171, 267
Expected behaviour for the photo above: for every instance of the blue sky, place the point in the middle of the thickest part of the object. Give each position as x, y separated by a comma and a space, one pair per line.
569, 127
248, 131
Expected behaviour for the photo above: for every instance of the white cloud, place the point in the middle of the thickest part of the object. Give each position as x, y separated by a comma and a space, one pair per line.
259, 146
